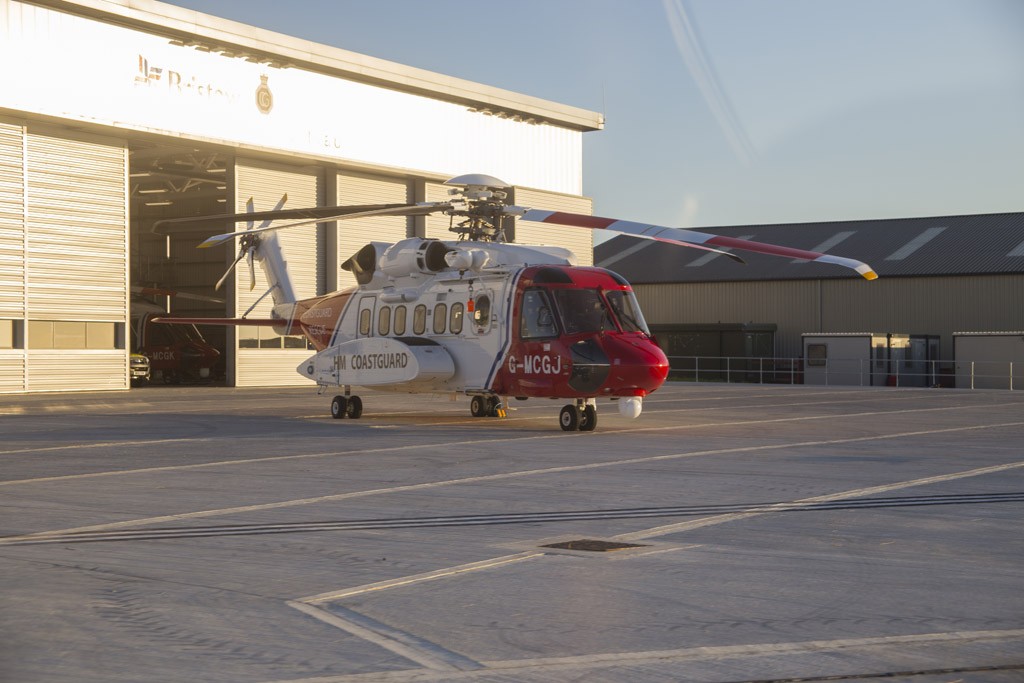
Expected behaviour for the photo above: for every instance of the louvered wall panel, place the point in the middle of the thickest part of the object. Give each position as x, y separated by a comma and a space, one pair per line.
353, 235
77, 225
77, 370
271, 367
12, 222
12, 371
578, 240
303, 249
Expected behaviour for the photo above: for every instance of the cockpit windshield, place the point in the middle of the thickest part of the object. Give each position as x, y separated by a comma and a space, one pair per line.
582, 310
627, 311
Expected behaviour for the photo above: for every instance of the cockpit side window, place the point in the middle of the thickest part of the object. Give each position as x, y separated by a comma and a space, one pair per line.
537, 320
626, 309
583, 310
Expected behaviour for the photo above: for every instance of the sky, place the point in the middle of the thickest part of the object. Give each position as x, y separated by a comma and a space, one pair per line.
732, 112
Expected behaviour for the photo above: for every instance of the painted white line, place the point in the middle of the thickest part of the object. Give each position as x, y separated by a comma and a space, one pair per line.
443, 445
401, 649
548, 666
420, 578
853, 493
219, 512
103, 444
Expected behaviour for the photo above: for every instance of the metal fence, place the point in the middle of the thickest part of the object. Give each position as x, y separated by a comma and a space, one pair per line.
849, 372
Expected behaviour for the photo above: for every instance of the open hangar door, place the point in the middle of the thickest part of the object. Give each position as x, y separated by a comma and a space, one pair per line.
168, 274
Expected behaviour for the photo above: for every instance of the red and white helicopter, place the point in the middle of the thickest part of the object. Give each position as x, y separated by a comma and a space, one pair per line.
476, 316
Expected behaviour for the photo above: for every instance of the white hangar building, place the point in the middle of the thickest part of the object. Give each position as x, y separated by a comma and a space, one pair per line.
115, 114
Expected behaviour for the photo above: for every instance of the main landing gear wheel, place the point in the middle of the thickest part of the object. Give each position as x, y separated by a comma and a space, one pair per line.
338, 407
485, 406
478, 406
346, 406
354, 410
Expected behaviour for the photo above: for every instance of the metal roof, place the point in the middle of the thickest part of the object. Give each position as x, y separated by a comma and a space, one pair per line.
944, 245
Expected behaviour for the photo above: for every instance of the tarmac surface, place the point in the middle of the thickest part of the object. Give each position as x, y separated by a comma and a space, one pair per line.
776, 533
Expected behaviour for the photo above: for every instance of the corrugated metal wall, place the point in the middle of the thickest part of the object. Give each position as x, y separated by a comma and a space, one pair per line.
353, 235
925, 305
63, 257
578, 240
304, 250
12, 248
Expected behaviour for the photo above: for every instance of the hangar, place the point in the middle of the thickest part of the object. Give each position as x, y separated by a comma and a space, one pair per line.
116, 114
938, 276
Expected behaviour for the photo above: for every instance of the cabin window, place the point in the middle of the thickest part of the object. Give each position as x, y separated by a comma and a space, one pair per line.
364, 321
400, 313
440, 318
457, 315
419, 319
536, 319
384, 321
482, 314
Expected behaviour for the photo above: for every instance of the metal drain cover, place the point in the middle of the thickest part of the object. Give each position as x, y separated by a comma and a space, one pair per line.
593, 545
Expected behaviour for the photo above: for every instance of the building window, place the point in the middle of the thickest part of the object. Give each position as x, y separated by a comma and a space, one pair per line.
384, 321
457, 314
10, 334
817, 355
67, 334
400, 314
440, 318
419, 319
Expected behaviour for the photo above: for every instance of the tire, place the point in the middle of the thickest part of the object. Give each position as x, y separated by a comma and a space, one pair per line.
588, 420
354, 410
338, 407
492, 406
478, 406
569, 418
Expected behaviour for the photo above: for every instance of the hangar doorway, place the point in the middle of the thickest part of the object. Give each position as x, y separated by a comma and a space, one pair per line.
167, 273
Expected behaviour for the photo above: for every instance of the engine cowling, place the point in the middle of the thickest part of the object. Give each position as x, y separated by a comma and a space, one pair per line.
413, 256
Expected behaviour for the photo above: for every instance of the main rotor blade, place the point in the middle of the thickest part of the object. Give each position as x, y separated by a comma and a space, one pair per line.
690, 238
396, 210
159, 291
323, 213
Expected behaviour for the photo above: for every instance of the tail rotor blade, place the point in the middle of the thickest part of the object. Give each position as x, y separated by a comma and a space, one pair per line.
252, 270
224, 277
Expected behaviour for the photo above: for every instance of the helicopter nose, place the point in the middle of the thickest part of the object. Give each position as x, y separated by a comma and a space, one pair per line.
638, 366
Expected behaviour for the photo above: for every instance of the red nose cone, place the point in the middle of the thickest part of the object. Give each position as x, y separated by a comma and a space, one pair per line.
638, 365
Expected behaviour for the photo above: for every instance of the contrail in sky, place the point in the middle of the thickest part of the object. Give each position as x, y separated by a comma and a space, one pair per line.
687, 38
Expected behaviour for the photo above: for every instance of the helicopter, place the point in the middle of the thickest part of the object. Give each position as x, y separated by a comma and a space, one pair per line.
477, 315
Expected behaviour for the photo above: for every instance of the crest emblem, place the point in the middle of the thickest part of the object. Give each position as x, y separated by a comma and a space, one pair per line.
264, 98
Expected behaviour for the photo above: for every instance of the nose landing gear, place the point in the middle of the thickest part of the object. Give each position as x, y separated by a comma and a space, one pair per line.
581, 417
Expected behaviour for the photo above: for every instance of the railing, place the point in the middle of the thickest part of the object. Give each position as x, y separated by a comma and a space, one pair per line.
849, 372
